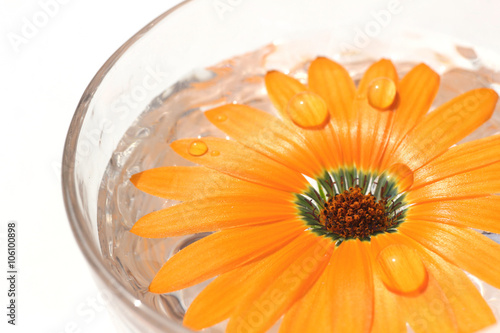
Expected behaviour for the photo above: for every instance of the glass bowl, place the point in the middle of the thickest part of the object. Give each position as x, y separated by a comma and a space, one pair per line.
202, 53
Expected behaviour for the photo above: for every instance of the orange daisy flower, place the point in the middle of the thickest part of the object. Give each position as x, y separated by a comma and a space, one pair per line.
354, 211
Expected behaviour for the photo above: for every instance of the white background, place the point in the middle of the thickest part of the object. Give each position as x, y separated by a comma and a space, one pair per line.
48, 55
41, 81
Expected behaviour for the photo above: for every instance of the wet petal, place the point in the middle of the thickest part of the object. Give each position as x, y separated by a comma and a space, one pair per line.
470, 310
373, 126
266, 134
472, 313
281, 88
333, 83
308, 110
387, 316
191, 183
382, 93
445, 126
387, 313
257, 167
401, 175
401, 270
429, 312
465, 248
430, 309
221, 252
212, 214
416, 90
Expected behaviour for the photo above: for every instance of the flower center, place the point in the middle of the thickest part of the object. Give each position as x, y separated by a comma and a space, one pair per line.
352, 214
349, 203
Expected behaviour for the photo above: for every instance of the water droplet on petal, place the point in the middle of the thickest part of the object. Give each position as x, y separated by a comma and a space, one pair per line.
308, 110
221, 117
198, 148
401, 269
215, 153
381, 93
402, 174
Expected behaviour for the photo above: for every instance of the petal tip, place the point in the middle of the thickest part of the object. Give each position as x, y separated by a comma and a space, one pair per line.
135, 179
143, 229
178, 145
492, 93
161, 284
136, 230
212, 114
155, 288
487, 96
191, 323
321, 59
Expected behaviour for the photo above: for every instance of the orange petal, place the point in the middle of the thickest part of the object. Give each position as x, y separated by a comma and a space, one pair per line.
351, 288
229, 291
332, 82
429, 310
241, 162
373, 125
416, 90
211, 214
260, 313
191, 183
387, 313
478, 213
383, 68
266, 134
221, 252
445, 126
313, 312
326, 146
216, 302
281, 88
387, 316
465, 248
459, 159
471, 311
471, 184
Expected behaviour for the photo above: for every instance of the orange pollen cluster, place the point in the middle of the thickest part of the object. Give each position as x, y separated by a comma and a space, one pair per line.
353, 214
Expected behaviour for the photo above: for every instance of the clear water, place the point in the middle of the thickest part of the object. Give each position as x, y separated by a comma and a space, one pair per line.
178, 113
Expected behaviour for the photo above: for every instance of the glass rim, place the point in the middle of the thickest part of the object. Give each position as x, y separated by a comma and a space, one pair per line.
69, 186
